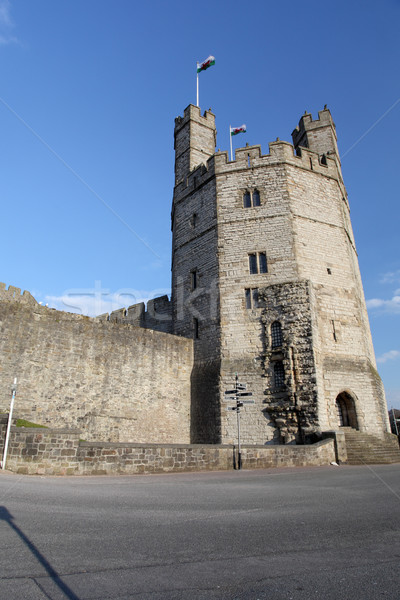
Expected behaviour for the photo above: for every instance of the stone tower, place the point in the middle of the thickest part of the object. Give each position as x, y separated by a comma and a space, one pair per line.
265, 278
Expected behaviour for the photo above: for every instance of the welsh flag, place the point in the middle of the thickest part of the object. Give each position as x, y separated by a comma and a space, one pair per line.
209, 62
236, 130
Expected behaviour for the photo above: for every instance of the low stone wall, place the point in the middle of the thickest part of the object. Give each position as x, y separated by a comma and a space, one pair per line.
38, 451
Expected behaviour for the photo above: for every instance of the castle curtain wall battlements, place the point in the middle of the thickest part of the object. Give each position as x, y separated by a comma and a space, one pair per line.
112, 380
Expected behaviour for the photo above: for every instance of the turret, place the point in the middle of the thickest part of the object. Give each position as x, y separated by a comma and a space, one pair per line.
318, 135
195, 139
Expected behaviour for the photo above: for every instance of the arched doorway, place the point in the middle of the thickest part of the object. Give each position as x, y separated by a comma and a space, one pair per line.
346, 411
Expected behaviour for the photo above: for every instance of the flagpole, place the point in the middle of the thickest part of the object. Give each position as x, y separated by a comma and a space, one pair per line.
197, 86
230, 135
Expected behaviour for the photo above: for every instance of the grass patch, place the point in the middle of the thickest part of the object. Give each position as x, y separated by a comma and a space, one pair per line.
24, 423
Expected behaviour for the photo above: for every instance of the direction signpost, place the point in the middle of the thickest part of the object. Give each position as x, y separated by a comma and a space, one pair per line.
237, 395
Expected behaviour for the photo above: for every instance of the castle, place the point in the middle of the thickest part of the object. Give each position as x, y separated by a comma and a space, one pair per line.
265, 285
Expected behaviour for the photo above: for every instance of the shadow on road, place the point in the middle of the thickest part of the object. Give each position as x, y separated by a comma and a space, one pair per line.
5, 515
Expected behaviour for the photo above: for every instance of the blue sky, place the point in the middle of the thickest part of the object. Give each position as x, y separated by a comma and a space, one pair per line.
88, 95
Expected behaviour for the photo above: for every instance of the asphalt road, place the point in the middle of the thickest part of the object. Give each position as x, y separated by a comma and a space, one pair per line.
325, 532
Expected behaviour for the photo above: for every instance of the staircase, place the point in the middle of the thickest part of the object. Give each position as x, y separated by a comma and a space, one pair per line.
363, 448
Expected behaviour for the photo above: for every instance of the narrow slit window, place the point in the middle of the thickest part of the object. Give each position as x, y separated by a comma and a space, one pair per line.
256, 198
246, 200
334, 331
247, 294
248, 160
193, 279
254, 297
262, 261
253, 264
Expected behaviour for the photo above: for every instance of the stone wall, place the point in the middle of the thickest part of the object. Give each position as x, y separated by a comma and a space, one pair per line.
59, 452
114, 381
293, 406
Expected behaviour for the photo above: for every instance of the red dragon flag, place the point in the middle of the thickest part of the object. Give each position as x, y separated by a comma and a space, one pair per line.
209, 62
236, 130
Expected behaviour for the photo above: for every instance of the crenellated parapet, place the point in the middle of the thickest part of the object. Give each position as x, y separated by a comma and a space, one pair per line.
251, 157
158, 315
200, 175
13, 294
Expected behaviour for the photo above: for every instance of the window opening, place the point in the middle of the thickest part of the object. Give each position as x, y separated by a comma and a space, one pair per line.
246, 200
276, 334
279, 374
193, 279
196, 328
251, 199
256, 198
334, 331
247, 294
258, 263
253, 264
251, 297
262, 260
248, 160
255, 297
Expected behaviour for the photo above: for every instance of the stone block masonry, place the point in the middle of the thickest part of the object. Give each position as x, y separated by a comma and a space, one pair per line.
60, 452
114, 381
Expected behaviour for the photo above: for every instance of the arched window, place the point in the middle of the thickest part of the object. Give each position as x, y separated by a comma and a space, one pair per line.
246, 200
276, 334
256, 198
279, 374
251, 199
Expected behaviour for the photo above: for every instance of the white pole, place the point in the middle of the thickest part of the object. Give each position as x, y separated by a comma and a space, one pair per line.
197, 86
14, 391
230, 135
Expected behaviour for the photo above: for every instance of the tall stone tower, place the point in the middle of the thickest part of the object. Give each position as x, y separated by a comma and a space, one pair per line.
265, 278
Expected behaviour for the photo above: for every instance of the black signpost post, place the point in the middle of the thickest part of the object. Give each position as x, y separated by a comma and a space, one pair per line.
237, 395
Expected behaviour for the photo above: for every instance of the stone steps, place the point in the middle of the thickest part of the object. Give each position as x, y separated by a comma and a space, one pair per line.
363, 448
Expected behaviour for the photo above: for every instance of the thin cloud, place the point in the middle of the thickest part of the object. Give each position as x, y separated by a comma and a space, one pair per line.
391, 306
6, 24
391, 277
5, 17
391, 355
97, 301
